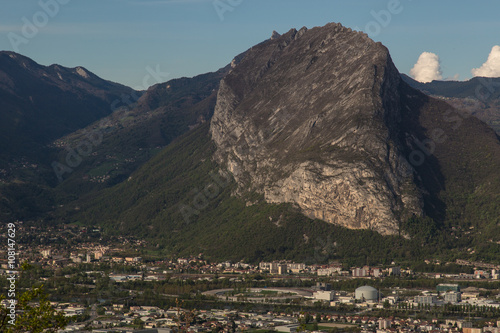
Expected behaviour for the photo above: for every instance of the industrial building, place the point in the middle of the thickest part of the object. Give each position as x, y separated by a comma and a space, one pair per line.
324, 295
366, 293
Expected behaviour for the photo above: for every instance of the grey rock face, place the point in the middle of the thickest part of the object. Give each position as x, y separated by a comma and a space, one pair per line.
311, 118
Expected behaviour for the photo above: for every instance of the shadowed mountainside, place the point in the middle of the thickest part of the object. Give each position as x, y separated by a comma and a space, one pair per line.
479, 96
39, 104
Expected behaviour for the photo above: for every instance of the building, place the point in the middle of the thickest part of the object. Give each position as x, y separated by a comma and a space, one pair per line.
98, 255
282, 269
328, 271
472, 330
491, 329
296, 267
384, 324
324, 295
75, 258
425, 299
376, 272
453, 297
271, 267
396, 271
464, 324
359, 272
444, 287
366, 293
481, 274
323, 286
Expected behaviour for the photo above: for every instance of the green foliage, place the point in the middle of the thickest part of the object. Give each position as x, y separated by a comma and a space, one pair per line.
138, 323
420, 228
34, 314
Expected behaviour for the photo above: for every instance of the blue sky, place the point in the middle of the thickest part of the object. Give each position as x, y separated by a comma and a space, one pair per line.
119, 39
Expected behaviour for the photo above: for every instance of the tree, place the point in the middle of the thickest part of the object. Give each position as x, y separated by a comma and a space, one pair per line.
184, 318
34, 314
302, 325
138, 323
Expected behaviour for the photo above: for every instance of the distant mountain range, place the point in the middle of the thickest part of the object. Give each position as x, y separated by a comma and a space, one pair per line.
479, 96
309, 146
480, 88
50, 114
40, 104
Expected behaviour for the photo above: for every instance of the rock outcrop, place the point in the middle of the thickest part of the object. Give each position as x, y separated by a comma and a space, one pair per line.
312, 117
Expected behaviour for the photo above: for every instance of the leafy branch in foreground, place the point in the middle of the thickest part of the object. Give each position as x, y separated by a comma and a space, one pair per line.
33, 313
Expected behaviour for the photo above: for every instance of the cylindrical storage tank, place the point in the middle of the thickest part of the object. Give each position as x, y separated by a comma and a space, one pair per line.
366, 293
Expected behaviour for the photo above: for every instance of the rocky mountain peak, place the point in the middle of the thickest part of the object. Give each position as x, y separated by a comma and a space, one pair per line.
275, 35
311, 118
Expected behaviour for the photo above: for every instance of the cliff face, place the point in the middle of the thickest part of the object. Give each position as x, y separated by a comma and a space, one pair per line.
312, 118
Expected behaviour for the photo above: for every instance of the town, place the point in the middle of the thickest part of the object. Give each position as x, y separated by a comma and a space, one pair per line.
112, 285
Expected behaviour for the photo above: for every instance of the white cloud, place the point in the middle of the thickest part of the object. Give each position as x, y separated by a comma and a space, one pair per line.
427, 68
491, 68
453, 78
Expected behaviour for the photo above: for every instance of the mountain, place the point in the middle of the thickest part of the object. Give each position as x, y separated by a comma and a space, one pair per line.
92, 136
481, 88
132, 134
180, 203
39, 104
317, 125
314, 123
321, 118
138, 130
479, 96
